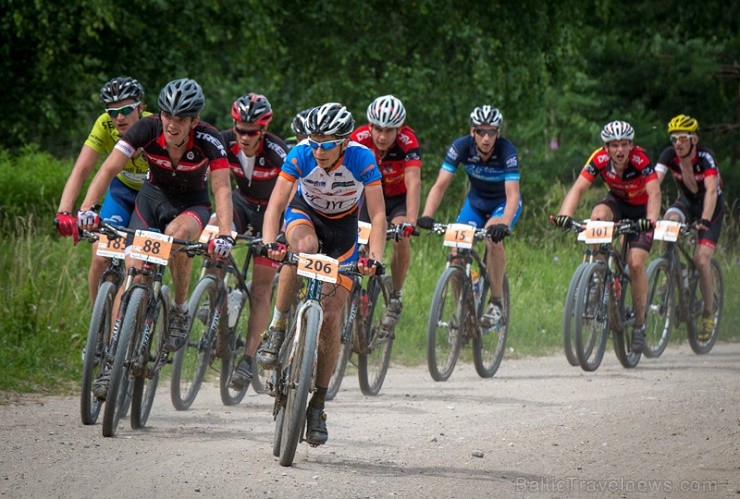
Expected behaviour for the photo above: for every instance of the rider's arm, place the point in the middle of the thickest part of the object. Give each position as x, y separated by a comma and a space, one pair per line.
112, 166
221, 187
279, 199
376, 210
512, 201
661, 170
412, 179
570, 203
83, 167
710, 196
437, 192
652, 187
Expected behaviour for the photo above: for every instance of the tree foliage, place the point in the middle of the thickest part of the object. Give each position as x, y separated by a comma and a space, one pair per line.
557, 70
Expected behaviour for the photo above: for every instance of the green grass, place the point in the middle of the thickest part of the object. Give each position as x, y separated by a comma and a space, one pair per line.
45, 308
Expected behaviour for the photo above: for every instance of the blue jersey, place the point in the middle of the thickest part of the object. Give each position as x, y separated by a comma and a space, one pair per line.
486, 177
338, 191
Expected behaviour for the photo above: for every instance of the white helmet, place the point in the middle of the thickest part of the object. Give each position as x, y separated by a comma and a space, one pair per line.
617, 130
330, 119
386, 111
486, 115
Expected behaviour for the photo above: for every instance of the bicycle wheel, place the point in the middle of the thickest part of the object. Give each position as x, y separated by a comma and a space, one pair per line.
591, 318
446, 327
347, 330
145, 382
569, 338
118, 389
696, 306
372, 365
96, 350
659, 311
278, 436
191, 361
623, 335
299, 380
489, 347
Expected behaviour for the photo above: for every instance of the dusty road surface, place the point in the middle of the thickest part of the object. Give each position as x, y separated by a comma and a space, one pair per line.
539, 428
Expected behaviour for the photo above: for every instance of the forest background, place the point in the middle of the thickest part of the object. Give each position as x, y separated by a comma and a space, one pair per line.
557, 70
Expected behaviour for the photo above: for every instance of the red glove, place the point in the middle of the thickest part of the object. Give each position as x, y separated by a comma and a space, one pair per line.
66, 225
408, 230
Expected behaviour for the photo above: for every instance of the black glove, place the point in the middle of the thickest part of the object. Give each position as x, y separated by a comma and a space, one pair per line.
563, 221
425, 223
644, 225
703, 224
497, 232
371, 262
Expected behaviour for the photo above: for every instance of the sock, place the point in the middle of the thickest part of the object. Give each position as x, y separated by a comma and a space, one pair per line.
181, 307
318, 398
279, 320
497, 302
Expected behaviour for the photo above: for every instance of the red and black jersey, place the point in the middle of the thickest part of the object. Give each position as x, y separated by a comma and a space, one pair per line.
205, 149
705, 165
630, 186
404, 153
255, 176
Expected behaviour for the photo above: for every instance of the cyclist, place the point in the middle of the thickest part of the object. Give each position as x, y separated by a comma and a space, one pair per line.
694, 168
397, 153
255, 157
494, 200
122, 98
180, 150
332, 172
298, 127
634, 194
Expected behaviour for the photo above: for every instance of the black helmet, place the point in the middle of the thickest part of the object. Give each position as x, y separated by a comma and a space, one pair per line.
182, 97
120, 88
299, 123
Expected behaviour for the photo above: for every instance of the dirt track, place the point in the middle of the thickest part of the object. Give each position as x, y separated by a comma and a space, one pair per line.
670, 428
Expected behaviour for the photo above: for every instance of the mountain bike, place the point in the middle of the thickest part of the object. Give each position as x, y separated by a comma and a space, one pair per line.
294, 375
603, 300
458, 306
100, 337
140, 355
674, 295
362, 329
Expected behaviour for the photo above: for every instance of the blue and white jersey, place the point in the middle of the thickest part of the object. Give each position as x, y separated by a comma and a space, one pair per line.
338, 191
486, 177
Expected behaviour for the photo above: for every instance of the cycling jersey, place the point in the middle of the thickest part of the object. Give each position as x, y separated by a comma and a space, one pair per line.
404, 153
336, 193
102, 139
630, 187
704, 166
255, 176
205, 149
486, 177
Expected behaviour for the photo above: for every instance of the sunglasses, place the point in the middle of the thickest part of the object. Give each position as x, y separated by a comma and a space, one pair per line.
481, 132
680, 138
113, 112
325, 146
248, 133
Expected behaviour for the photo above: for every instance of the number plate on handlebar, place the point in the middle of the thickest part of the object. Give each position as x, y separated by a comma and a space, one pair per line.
666, 230
151, 247
459, 236
597, 231
363, 232
321, 267
111, 248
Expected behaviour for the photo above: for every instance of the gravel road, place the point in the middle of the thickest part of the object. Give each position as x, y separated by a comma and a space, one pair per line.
539, 428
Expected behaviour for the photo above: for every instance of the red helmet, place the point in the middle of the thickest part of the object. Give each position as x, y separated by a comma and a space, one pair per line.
252, 108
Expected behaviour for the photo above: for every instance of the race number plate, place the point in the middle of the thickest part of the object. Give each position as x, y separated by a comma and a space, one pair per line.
111, 248
459, 236
151, 247
666, 230
598, 231
363, 232
317, 266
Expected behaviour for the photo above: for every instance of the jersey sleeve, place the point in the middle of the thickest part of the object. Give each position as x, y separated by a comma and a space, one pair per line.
103, 135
